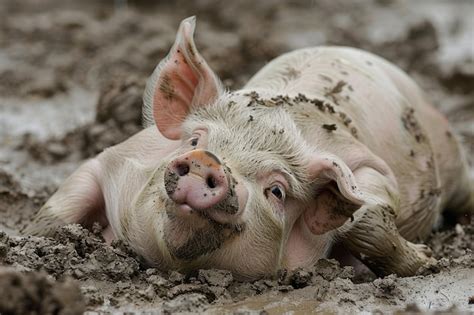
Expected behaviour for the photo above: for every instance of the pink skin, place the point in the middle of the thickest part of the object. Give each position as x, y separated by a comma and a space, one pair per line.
108, 185
203, 184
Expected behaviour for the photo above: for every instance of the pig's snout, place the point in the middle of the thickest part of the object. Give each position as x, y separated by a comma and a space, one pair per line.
196, 180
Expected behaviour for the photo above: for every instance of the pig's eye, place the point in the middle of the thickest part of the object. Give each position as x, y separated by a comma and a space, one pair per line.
277, 191
194, 142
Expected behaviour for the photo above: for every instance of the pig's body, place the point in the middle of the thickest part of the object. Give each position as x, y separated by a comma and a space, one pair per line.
353, 118
375, 101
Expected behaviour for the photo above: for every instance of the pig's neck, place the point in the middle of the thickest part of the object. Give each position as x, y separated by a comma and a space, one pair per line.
303, 248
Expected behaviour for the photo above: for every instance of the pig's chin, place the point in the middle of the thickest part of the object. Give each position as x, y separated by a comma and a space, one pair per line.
190, 234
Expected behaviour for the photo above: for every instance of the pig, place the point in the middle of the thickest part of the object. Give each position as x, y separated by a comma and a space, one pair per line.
323, 146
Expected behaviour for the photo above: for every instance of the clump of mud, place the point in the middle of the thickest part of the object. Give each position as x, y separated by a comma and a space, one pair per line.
453, 243
113, 275
35, 293
77, 253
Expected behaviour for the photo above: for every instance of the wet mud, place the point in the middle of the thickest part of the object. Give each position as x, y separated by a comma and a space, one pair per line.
72, 76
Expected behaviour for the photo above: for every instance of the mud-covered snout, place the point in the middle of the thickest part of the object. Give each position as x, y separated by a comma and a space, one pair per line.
198, 182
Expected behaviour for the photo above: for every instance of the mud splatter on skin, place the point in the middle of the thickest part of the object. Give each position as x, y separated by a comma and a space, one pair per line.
200, 242
435, 192
171, 181
411, 124
230, 204
330, 108
334, 91
255, 99
339, 205
330, 127
345, 119
191, 50
319, 104
354, 132
325, 78
167, 88
292, 73
284, 100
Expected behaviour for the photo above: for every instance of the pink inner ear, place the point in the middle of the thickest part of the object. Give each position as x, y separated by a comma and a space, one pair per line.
174, 94
182, 75
182, 80
322, 216
328, 166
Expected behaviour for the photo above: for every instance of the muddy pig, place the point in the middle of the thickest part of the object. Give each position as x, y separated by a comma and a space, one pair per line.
323, 145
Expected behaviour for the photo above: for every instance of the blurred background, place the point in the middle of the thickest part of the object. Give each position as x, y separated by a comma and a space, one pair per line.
72, 73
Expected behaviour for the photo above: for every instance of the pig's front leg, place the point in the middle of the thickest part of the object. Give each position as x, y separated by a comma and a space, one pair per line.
373, 236
78, 200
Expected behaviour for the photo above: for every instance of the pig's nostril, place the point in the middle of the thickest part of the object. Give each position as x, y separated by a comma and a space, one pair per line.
182, 168
211, 182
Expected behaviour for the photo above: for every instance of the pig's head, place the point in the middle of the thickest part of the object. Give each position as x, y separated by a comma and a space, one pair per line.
242, 191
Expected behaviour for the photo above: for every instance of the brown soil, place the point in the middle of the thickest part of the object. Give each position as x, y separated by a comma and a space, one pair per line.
71, 79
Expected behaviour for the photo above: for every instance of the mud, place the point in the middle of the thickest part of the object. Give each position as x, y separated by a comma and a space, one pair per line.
34, 293
71, 79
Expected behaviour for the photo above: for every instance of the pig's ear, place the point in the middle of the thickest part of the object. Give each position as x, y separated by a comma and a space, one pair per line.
180, 81
338, 195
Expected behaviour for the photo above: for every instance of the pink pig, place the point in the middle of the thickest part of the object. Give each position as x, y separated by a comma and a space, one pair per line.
324, 145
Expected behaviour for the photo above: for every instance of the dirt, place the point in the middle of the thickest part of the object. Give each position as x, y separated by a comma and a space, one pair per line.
34, 293
71, 79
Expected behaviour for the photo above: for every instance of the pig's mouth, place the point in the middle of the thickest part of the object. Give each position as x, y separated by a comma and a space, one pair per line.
187, 215
214, 215
190, 239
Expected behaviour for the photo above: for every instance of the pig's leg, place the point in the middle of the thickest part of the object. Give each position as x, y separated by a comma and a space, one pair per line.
78, 200
373, 236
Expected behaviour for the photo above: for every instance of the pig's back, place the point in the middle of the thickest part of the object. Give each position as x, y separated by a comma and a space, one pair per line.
375, 104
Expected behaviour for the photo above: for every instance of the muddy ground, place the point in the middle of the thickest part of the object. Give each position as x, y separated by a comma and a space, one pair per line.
71, 78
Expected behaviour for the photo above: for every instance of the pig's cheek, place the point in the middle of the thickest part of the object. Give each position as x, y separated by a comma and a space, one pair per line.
242, 195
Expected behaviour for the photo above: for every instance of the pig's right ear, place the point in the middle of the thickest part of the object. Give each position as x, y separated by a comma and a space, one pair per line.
338, 196
180, 81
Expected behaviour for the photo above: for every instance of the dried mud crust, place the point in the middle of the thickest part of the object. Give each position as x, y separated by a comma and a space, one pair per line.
113, 275
35, 293
46, 52
120, 278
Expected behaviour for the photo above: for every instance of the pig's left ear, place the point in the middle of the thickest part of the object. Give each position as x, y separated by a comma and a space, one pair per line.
180, 81
338, 195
